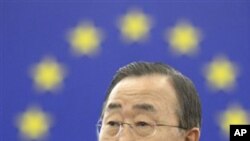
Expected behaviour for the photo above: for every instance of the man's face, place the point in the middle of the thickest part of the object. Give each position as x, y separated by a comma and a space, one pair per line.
141, 102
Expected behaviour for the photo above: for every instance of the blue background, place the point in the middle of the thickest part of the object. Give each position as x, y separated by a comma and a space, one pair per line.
32, 29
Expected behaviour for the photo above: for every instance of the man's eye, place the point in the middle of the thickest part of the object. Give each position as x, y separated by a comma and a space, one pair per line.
142, 124
113, 123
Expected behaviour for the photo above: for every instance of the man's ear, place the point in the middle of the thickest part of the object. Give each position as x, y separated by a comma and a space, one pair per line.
193, 134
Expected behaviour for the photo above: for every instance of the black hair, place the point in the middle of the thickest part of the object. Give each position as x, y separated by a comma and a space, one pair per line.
189, 112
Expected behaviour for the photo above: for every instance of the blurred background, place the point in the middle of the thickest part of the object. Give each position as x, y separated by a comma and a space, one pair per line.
59, 56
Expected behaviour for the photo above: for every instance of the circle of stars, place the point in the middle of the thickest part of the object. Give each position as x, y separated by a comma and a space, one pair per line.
135, 26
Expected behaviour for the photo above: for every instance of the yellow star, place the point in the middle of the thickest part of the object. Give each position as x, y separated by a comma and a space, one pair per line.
233, 115
183, 38
85, 39
34, 124
221, 73
48, 74
135, 25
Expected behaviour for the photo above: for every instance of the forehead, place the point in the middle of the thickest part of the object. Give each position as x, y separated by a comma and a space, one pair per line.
153, 89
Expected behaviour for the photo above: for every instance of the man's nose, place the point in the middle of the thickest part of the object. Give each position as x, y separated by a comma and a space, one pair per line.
126, 134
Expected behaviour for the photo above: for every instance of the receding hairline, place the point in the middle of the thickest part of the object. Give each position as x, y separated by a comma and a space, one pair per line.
189, 111
168, 78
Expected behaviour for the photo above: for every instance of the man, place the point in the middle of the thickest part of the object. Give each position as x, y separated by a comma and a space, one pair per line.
150, 102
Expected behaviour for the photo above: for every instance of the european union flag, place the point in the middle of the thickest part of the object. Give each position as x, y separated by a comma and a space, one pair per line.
58, 58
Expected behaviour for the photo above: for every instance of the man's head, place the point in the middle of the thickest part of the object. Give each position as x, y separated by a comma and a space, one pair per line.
150, 102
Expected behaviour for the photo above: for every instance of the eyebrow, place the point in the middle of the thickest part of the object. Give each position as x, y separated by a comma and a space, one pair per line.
144, 107
113, 106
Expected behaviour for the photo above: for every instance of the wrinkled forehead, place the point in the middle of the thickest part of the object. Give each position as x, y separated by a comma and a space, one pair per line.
150, 93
